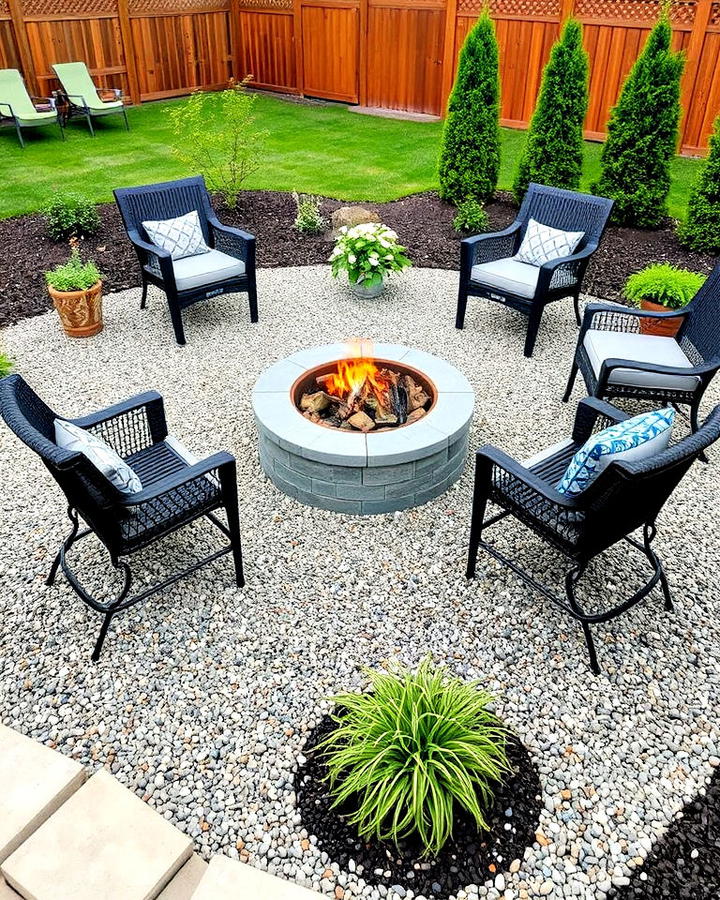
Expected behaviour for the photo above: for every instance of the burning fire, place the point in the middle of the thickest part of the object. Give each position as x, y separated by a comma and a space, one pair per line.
351, 376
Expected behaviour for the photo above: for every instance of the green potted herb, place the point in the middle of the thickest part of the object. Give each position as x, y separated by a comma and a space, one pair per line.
76, 291
368, 253
660, 288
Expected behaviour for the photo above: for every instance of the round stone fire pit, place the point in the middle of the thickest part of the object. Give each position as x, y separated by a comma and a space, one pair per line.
377, 471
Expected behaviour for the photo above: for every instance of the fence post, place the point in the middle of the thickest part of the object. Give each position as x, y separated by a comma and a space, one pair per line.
128, 50
23, 44
703, 11
298, 44
567, 8
448, 69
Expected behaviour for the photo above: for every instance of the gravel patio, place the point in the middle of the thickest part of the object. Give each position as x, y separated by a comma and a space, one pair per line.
203, 699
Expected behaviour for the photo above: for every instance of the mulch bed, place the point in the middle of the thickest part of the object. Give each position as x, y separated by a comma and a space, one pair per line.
685, 863
468, 858
423, 221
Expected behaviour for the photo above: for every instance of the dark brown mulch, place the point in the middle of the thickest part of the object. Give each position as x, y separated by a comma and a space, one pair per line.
685, 863
423, 221
466, 859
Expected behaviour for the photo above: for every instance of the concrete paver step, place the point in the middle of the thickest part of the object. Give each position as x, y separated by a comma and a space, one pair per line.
227, 879
103, 843
185, 882
34, 782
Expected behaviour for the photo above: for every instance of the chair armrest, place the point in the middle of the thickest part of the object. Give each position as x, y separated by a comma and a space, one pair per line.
488, 247
566, 270
9, 114
155, 257
49, 100
594, 415
79, 97
499, 460
181, 478
129, 426
233, 241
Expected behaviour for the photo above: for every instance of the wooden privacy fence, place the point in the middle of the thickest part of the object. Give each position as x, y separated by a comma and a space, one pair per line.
394, 54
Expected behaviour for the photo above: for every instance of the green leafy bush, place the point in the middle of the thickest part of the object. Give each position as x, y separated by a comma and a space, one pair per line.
471, 217
404, 756
70, 215
368, 253
663, 284
309, 219
553, 152
643, 133
470, 151
74, 275
5, 365
701, 229
225, 156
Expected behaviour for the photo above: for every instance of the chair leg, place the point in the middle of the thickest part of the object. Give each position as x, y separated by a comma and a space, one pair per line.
143, 299
101, 637
90, 124
571, 382
64, 547
571, 579
19, 134
536, 311
694, 425
252, 298
479, 505
176, 316
649, 532
127, 124
228, 483
461, 307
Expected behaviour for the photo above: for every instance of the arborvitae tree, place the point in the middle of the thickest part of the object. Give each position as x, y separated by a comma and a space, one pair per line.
701, 229
553, 152
643, 133
470, 152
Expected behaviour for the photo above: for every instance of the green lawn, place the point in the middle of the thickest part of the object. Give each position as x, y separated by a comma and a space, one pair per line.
314, 149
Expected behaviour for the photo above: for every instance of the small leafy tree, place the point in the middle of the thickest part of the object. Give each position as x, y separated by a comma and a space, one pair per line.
643, 133
217, 135
553, 152
701, 229
470, 152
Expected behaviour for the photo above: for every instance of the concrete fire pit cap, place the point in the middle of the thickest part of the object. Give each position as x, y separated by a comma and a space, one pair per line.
279, 420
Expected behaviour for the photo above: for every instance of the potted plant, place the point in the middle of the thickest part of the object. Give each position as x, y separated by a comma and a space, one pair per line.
659, 288
76, 291
368, 253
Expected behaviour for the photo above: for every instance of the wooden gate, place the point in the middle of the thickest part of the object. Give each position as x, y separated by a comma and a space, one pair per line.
330, 49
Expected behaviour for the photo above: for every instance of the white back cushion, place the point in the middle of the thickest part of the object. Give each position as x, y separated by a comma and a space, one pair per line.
543, 243
181, 236
101, 455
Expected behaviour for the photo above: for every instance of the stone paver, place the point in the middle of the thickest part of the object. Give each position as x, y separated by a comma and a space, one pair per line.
34, 782
185, 882
232, 880
104, 843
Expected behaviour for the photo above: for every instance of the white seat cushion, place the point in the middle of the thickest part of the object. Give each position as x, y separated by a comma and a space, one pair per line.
207, 268
648, 348
507, 275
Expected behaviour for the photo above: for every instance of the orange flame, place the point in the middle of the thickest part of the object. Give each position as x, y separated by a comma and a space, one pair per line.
353, 373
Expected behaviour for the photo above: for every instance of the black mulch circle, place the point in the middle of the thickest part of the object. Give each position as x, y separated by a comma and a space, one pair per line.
465, 859
685, 863
423, 223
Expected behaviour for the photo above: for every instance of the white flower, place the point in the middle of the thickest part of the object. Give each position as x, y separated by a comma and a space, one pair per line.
388, 256
352, 259
374, 261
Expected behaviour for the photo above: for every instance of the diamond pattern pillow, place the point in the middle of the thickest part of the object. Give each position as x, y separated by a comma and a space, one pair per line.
181, 237
100, 454
543, 243
634, 439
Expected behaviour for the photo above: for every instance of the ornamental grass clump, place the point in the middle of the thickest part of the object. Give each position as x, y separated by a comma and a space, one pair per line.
663, 284
309, 219
74, 275
419, 748
368, 253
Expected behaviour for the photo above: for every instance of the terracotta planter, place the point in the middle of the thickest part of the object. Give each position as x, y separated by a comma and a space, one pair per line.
80, 311
660, 327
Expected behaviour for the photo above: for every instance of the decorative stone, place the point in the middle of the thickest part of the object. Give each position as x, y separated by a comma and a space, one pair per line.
348, 216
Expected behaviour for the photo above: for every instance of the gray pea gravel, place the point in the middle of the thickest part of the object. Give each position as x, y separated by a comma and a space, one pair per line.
203, 697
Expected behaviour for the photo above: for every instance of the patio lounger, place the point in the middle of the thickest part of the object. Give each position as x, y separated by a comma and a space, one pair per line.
17, 106
84, 97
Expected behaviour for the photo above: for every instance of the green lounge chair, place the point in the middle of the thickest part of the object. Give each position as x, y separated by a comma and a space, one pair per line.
17, 106
84, 97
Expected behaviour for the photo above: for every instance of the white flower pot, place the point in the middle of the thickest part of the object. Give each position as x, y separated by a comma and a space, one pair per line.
367, 293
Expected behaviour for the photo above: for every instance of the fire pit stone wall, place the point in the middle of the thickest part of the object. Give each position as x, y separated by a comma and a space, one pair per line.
362, 473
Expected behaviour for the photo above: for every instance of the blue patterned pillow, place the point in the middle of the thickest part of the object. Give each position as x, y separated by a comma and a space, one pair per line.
632, 440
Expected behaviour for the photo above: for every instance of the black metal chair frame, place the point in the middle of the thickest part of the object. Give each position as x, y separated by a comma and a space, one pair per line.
174, 492
699, 338
11, 117
624, 498
560, 278
168, 200
76, 105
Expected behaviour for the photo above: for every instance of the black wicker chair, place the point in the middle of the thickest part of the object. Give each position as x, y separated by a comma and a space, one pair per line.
624, 497
528, 289
176, 490
617, 360
168, 200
